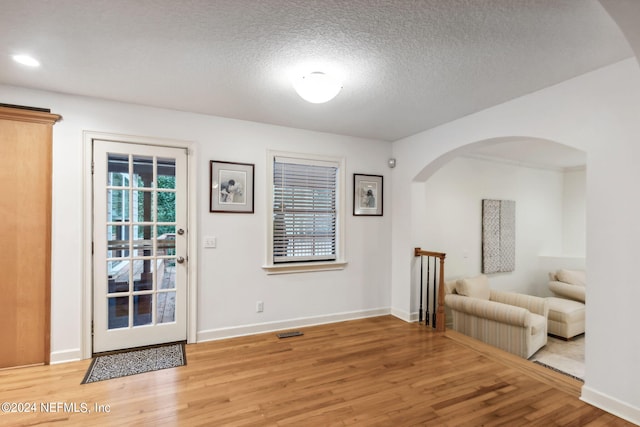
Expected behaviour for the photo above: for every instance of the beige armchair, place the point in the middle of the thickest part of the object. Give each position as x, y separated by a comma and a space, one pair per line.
513, 322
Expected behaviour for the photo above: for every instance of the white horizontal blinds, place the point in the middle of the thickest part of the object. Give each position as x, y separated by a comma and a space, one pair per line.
304, 210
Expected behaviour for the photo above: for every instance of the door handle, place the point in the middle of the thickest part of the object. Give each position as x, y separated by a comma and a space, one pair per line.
180, 260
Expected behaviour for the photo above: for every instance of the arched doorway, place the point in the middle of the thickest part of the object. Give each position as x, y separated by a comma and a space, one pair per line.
546, 179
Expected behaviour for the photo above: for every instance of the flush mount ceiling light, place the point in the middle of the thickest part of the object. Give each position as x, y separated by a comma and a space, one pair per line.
27, 60
317, 87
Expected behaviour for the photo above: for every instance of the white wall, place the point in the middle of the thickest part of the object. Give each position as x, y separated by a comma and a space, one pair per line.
574, 223
574, 231
450, 219
599, 113
230, 277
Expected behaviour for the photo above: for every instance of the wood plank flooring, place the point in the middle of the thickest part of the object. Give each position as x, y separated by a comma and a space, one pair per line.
371, 372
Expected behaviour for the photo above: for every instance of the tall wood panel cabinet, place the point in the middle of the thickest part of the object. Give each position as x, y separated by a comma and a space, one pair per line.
25, 235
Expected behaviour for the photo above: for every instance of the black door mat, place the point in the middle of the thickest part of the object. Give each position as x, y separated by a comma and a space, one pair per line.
136, 361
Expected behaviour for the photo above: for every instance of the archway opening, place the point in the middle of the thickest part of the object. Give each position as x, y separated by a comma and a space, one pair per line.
547, 181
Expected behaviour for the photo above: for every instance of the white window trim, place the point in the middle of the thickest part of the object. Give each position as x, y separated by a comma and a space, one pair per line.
297, 267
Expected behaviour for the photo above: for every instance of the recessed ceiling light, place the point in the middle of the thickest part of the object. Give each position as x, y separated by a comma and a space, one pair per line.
317, 87
27, 60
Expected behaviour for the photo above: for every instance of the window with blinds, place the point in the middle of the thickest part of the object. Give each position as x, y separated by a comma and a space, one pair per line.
304, 210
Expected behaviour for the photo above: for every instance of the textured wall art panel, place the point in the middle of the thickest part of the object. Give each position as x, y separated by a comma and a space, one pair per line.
498, 236
490, 236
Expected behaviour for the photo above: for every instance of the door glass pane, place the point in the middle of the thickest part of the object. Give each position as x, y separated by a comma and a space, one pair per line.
117, 205
117, 241
142, 240
166, 307
142, 205
167, 273
142, 275
166, 173
118, 312
118, 170
118, 272
142, 310
166, 240
166, 206
142, 171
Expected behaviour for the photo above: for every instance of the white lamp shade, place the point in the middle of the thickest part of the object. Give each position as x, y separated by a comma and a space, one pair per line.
317, 87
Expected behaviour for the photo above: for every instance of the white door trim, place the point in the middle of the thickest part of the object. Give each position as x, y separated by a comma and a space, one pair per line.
87, 265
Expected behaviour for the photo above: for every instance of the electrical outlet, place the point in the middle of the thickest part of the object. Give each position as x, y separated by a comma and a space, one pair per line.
259, 307
209, 242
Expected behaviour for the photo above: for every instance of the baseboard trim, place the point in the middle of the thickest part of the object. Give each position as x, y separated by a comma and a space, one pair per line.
407, 317
403, 315
611, 405
239, 331
65, 356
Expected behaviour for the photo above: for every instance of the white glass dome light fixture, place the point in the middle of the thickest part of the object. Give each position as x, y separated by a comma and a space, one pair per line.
317, 87
27, 60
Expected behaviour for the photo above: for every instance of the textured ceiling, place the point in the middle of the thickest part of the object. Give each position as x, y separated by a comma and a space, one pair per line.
406, 65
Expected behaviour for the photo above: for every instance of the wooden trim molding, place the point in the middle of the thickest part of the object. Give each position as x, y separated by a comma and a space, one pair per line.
28, 115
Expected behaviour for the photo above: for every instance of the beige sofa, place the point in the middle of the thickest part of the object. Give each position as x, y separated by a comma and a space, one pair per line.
569, 284
513, 322
566, 317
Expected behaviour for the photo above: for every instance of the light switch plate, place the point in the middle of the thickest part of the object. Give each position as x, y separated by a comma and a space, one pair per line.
210, 242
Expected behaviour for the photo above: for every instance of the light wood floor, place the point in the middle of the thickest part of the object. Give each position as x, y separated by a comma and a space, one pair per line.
378, 371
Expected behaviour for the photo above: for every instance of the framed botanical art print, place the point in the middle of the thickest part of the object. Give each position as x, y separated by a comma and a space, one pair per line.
231, 187
367, 195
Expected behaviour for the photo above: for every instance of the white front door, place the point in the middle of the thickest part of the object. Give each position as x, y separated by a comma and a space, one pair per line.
139, 245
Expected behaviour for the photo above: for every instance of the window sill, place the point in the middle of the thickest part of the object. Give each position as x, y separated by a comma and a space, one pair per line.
304, 267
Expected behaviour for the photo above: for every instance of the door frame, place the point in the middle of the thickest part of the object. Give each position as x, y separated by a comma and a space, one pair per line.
87, 238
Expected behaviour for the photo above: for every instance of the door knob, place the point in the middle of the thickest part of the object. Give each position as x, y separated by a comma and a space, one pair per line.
180, 260
180, 231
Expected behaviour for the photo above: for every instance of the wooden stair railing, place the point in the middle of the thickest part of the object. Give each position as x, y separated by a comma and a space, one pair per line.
437, 318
